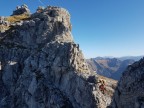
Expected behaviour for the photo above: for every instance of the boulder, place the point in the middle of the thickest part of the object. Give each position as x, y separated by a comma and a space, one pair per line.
21, 10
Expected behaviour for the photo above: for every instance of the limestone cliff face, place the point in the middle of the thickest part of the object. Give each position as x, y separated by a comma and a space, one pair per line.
42, 67
130, 90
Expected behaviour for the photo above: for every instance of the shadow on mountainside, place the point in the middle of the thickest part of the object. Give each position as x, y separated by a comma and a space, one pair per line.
130, 90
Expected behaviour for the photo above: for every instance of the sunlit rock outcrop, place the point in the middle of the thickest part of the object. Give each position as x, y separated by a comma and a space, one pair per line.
42, 67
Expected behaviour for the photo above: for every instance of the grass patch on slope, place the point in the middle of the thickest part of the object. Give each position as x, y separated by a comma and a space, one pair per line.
16, 18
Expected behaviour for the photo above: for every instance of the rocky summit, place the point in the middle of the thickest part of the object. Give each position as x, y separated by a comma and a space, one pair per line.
130, 90
41, 66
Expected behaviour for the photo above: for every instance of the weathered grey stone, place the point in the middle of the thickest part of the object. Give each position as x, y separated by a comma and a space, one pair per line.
21, 10
130, 90
42, 67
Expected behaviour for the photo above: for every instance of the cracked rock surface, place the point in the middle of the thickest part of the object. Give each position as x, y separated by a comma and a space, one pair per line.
42, 67
130, 90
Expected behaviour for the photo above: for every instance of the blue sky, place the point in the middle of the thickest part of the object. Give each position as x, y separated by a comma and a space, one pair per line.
101, 27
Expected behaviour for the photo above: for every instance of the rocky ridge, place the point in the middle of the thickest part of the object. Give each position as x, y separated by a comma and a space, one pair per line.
19, 14
42, 67
130, 90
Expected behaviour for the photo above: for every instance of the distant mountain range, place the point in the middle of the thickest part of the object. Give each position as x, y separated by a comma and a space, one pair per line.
111, 67
136, 58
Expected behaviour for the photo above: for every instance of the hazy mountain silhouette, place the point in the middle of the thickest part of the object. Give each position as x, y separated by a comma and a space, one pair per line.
111, 67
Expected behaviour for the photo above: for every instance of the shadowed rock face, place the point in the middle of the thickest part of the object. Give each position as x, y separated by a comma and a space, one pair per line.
130, 90
42, 67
